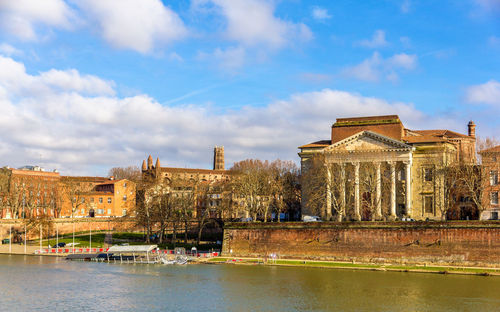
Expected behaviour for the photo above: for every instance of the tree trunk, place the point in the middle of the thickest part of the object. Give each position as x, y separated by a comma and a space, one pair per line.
185, 231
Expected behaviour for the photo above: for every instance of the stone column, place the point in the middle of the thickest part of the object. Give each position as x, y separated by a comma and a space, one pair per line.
392, 165
328, 193
378, 212
357, 216
408, 188
342, 191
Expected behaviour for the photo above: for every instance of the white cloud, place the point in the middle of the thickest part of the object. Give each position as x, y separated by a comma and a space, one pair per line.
253, 23
7, 49
489, 5
52, 115
403, 60
320, 14
20, 17
405, 6
374, 67
377, 40
494, 41
135, 25
486, 93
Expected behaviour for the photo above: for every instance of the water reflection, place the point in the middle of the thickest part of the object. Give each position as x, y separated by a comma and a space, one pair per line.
47, 284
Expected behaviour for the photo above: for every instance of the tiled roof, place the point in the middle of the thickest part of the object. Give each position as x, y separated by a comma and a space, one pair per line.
111, 182
494, 149
192, 170
322, 143
85, 179
446, 133
423, 139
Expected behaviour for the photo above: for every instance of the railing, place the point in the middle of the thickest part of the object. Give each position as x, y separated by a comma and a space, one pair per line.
201, 254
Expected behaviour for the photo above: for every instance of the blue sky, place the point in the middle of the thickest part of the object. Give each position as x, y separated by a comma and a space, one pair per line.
92, 84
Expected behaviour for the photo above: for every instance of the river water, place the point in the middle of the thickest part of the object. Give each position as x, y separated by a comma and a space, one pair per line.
29, 283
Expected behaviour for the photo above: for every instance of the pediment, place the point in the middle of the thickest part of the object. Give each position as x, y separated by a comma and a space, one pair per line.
368, 141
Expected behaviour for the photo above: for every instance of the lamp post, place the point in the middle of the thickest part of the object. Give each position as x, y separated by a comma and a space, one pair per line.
25, 241
10, 239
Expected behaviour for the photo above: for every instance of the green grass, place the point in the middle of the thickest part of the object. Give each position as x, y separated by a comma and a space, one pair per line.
409, 268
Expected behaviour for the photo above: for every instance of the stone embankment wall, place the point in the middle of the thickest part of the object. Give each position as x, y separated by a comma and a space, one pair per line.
65, 226
454, 243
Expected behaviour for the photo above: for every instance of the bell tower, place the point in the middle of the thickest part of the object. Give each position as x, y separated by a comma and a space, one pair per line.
219, 158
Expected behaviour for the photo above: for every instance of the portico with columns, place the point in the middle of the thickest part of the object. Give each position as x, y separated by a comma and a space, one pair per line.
365, 149
377, 169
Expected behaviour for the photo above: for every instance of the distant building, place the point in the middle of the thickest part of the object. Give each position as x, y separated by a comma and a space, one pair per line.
192, 179
97, 197
382, 170
32, 192
28, 191
490, 160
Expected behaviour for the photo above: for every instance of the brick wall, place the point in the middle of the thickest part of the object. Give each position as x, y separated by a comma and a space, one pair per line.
455, 243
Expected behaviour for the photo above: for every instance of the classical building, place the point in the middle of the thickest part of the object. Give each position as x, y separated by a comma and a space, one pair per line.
377, 169
490, 161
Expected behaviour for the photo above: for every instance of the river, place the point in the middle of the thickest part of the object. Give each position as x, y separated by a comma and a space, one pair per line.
29, 283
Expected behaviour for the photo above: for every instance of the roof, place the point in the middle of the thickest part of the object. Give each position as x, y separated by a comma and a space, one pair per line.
111, 182
191, 170
369, 120
395, 144
321, 143
131, 249
85, 179
423, 139
494, 149
441, 133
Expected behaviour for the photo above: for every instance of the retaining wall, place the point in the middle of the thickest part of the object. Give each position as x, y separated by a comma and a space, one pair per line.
454, 243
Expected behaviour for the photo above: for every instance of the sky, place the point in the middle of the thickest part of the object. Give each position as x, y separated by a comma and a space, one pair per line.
87, 85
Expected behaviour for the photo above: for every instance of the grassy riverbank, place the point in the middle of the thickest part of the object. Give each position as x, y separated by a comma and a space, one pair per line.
360, 266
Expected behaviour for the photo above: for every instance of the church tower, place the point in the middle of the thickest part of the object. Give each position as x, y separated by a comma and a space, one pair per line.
219, 158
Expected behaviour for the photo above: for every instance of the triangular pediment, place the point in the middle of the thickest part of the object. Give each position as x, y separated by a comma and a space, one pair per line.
368, 141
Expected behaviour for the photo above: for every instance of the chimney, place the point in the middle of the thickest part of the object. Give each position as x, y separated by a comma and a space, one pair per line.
219, 158
472, 129
144, 168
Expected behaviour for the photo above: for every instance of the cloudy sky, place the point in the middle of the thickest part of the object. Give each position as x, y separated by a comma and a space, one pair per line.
86, 85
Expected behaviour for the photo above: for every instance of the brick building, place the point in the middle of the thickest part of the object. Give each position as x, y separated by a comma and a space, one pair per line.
28, 191
32, 192
379, 169
490, 161
97, 197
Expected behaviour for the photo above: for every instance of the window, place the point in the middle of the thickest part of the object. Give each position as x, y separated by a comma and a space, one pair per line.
428, 174
100, 200
125, 184
91, 199
109, 200
83, 200
494, 215
494, 198
124, 197
82, 211
493, 177
124, 212
428, 204
109, 211
100, 211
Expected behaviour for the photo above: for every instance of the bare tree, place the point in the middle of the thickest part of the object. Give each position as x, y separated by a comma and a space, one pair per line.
131, 173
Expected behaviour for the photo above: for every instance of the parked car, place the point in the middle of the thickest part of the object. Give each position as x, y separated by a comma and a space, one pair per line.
311, 219
246, 220
59, 245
